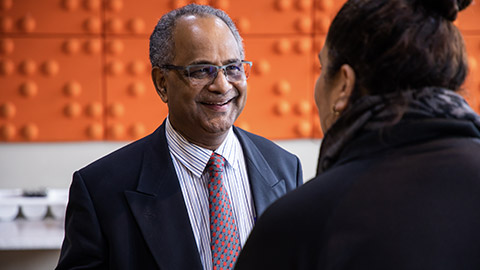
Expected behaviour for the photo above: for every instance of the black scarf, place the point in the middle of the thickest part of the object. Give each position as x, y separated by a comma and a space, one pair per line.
376, 112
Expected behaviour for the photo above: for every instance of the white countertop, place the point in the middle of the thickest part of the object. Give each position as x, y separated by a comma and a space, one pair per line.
22, 234
32, 223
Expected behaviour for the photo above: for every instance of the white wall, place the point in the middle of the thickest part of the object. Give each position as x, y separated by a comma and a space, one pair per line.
50, 165
35, 165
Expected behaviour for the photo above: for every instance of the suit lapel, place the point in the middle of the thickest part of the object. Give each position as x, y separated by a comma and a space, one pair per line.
159, 209
266, 187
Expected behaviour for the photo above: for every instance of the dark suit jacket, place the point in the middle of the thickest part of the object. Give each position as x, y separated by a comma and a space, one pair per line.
126, 210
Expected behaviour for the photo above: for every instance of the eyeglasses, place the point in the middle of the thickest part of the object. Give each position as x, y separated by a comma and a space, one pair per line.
203, 74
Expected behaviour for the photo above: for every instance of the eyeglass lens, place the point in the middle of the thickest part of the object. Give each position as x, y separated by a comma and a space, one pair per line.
204, 74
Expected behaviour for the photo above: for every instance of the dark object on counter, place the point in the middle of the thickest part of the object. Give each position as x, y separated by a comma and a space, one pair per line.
40, 192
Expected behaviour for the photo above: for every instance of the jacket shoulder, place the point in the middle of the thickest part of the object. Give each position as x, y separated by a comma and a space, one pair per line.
262, 143
123, 164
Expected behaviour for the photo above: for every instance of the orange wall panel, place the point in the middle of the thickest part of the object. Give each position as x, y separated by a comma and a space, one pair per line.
318, 43
270, 17
51, 16
468, 20
133, 17
133, 108
50, 88
472, 84
324, 12
279, 102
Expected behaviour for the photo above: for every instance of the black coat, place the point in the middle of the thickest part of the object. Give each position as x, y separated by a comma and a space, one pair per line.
404, 199
126, 210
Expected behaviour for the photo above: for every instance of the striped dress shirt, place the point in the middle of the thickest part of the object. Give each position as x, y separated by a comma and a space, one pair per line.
190, 161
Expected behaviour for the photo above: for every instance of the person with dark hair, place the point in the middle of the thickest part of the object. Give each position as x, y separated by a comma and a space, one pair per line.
187, 195
398, 178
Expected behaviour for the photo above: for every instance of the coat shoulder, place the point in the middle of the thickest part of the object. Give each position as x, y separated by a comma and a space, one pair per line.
263, 144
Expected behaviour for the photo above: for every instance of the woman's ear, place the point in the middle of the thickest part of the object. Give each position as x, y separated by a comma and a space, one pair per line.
158, 79
346, 84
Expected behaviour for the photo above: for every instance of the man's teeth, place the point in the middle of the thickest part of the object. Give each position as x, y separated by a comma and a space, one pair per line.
218, 104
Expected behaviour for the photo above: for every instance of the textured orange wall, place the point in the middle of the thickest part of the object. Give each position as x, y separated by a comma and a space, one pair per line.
75, 70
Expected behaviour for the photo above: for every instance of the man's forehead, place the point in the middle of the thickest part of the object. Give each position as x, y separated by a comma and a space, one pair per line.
201, 29
193, 19
204, 40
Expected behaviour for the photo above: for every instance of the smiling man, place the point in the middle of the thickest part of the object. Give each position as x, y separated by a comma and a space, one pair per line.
187, 195
203, 102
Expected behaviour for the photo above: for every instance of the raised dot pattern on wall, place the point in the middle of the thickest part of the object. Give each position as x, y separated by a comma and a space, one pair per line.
45, 90
79, 70
283, 46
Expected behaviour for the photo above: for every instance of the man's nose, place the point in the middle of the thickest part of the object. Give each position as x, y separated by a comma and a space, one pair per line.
220, 83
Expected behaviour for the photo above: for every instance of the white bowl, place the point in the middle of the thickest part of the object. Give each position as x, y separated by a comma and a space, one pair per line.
8, 212
58, 211
34, 211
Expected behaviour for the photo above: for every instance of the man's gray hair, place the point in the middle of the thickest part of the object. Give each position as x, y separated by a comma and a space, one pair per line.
162, 42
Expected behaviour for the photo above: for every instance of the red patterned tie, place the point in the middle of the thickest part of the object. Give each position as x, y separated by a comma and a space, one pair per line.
225, 240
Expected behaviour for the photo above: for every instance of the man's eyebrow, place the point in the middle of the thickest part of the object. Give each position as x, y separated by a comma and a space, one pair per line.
201, 62
233, 60
205, 62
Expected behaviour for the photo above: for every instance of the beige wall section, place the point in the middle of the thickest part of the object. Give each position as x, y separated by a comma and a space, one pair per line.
28, 259
35, 165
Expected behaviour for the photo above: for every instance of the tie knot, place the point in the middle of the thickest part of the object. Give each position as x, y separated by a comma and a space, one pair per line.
216, 163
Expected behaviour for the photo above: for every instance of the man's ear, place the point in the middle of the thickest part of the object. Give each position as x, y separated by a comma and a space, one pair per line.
158, 78
346, 84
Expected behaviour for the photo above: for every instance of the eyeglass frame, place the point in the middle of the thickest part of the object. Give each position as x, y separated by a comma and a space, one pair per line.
187, 69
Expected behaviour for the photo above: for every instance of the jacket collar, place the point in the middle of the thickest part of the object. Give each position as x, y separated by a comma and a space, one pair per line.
406, 133
159, 208
266, 187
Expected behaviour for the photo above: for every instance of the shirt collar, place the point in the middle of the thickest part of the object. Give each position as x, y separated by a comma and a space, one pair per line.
229, 149
194, 157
